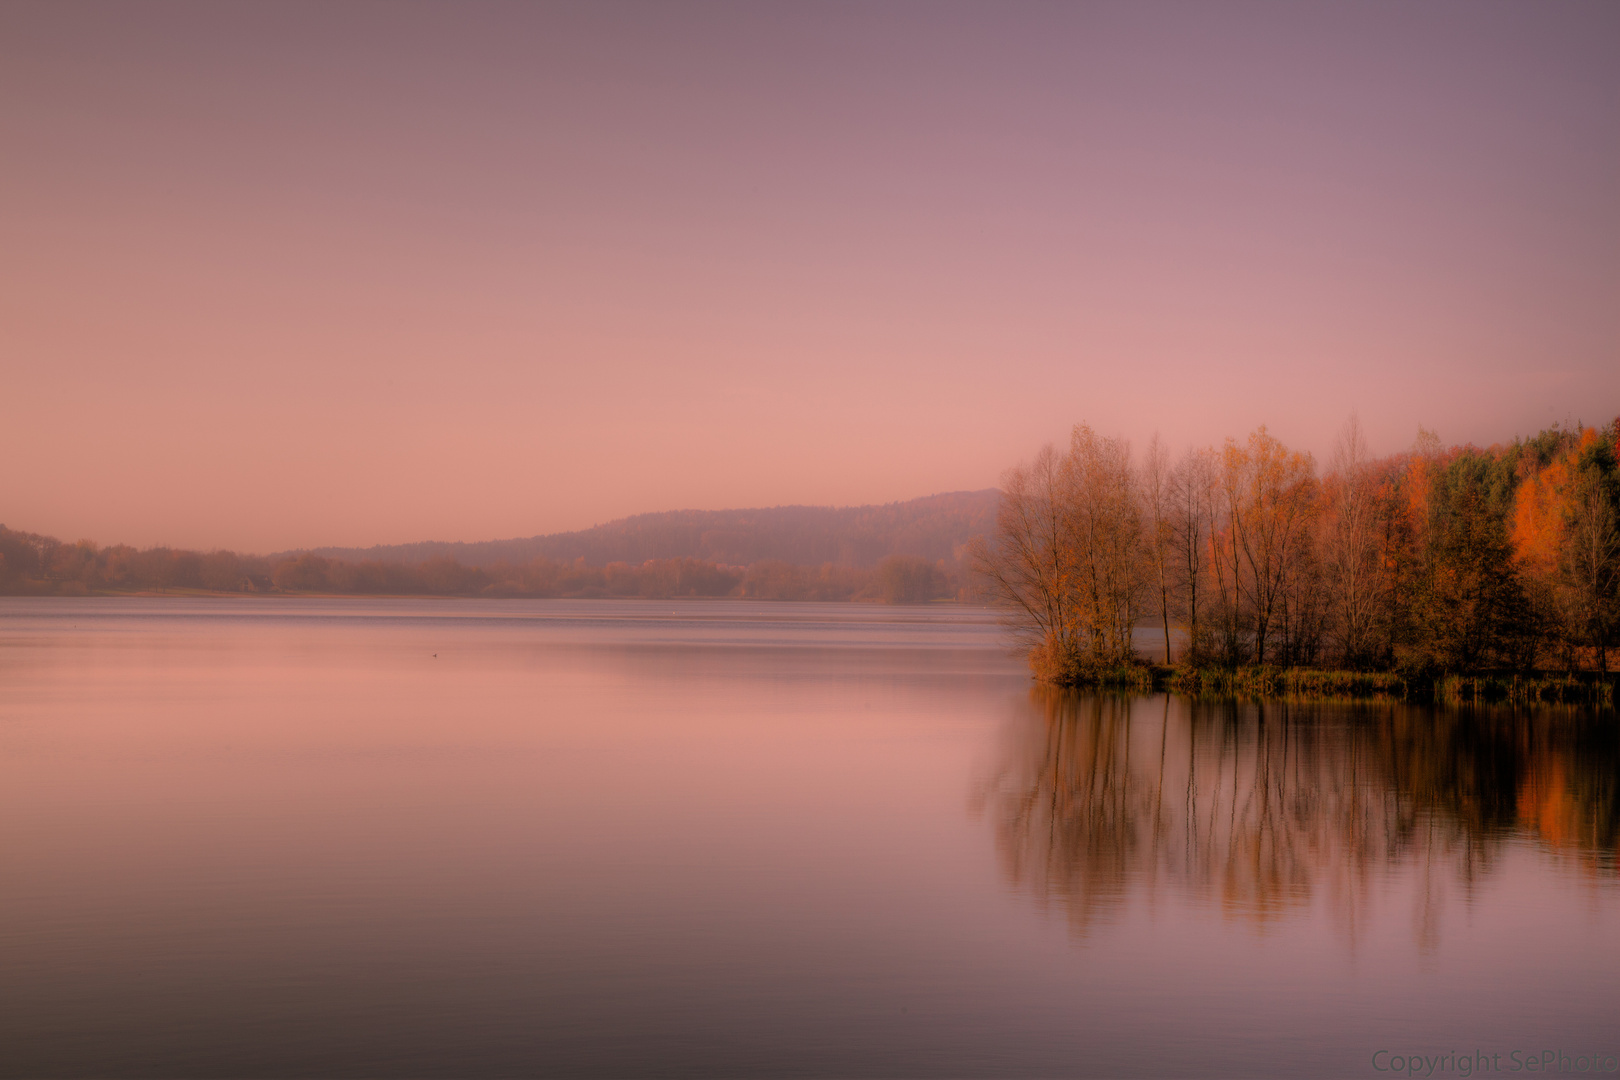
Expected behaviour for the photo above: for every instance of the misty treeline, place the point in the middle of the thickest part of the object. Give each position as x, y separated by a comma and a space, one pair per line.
1435, 559
40, 565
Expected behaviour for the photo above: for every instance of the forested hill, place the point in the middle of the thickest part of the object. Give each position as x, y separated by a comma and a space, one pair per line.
934, 528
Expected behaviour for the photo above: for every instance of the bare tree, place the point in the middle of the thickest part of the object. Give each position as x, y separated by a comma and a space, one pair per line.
1271, 495
1030, 565
1350, 546
1192, 486
1157, 511
1222, 515
1067, 555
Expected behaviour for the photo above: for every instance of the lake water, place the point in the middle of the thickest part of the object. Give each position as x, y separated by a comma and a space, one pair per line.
276, 837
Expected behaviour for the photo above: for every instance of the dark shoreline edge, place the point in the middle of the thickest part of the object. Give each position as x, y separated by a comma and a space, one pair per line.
1265, 681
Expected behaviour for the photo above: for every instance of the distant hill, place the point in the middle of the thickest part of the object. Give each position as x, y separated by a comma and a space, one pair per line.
935, 527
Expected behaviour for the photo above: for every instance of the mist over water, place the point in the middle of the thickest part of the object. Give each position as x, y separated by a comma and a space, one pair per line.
343, 837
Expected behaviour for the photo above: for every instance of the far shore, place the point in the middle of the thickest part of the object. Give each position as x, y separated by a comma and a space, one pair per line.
286, 594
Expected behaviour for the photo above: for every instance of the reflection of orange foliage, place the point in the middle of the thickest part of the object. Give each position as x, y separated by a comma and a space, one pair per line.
1547, 807
1264, 880
1104, 802
1558, 808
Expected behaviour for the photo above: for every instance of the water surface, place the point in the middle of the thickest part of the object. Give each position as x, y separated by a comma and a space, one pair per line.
333, 837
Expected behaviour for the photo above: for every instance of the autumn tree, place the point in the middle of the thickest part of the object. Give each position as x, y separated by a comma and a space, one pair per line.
1068, 555
1588, 560
306, 573
1472, 608
221, 571
1349, 547
1106, 526
1231, 618
1158, 516
1191, 519
1270, 495
1030, 564
901, 579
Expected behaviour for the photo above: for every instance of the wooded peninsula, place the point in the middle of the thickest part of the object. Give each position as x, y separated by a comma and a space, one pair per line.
1416, 567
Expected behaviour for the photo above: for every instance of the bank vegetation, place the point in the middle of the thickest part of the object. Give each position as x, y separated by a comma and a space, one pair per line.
1429, 566
36, 565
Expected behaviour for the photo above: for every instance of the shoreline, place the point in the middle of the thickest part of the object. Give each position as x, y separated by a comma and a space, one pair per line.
284, 594
1265, 682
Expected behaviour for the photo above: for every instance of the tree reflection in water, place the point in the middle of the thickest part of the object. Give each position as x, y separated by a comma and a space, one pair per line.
1265, 807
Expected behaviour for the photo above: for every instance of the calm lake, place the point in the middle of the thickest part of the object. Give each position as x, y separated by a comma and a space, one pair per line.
273, 837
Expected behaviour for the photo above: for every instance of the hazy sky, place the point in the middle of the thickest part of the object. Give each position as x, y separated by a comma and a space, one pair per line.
287, 274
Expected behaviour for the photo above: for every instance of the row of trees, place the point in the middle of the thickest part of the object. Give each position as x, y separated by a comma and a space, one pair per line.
1453, 559
40, 565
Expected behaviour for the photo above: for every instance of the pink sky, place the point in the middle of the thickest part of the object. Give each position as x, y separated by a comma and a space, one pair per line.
293, 275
